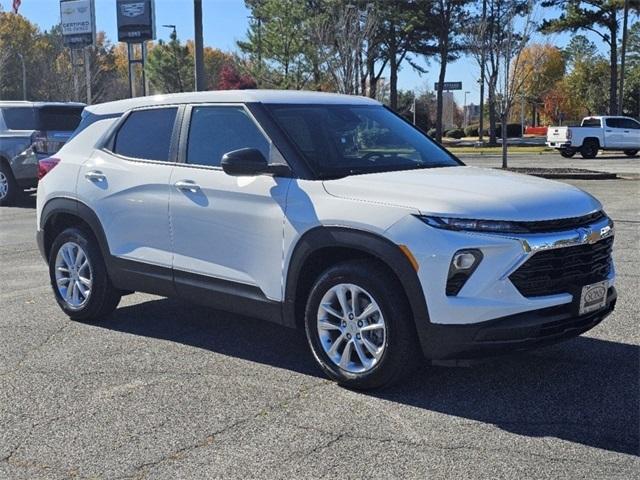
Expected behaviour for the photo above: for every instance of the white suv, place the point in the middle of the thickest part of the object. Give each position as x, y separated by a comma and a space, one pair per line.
321, 211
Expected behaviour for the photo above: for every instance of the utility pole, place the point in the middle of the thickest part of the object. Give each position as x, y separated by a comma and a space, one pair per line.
482, 69
622, 55
464, 111
199, 49
24, 77
87, 72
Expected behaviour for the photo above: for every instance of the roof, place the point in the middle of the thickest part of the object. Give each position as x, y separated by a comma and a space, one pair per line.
25, 103
232, 96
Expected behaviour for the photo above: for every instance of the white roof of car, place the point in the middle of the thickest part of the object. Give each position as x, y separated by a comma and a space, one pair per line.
231, 96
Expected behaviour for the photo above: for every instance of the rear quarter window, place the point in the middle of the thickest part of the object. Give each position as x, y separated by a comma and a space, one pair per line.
591, 122
64, 119
19, 118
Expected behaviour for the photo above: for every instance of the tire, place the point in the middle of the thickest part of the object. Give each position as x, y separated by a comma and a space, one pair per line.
396, 345
630, 153
589, 149
567, 152
84, 302
9, 188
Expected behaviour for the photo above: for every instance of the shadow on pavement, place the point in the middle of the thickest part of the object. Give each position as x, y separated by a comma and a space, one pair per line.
585, 390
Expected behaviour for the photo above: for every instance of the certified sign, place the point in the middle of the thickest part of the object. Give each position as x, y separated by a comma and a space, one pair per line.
78, 22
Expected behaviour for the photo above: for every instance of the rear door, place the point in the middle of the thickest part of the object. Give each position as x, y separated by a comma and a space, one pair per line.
613, 133
631, 132
127, 185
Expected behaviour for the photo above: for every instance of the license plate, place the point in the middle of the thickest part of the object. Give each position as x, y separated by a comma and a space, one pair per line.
594, 297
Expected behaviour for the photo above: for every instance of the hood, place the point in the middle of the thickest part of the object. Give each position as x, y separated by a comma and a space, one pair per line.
468, 192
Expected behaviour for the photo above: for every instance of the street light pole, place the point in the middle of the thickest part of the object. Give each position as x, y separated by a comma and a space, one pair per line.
24, 77
464, 111
622, 56
199, 49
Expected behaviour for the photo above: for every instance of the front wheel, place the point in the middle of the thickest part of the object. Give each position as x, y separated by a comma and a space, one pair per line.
630, 153
359, 327
79, 277
567, 152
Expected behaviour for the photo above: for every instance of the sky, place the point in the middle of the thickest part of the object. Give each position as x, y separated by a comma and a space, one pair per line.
226, 21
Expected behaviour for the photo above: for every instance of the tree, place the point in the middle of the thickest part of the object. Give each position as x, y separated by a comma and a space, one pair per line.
18, 36
445, 19
600, 17
542, 66
580, 48
559, 104
170, 67
632, 72
278, 43
588, 84
231, 79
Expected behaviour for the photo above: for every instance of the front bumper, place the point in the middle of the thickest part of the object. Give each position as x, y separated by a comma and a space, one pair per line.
518, 332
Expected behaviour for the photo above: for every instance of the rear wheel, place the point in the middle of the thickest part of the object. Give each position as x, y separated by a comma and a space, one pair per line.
79, 277
630, 153
567, 152
589, 149
8, 186
359, 326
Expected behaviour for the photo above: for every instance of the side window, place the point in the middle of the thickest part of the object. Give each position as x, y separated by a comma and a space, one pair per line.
146, 134
630, 124
214, 131
613, 123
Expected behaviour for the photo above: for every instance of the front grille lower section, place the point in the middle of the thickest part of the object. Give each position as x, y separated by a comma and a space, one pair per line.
564, 270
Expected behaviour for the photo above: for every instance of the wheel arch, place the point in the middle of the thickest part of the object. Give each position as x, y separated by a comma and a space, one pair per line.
592, 139
60, 213
323, 246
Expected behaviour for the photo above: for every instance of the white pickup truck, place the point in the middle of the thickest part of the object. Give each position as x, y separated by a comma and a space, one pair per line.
594, 134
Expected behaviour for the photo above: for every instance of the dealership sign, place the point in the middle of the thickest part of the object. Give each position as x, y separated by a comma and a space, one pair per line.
136, 20
78, 21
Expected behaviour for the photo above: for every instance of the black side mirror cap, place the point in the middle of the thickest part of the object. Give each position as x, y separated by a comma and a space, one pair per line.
249, 162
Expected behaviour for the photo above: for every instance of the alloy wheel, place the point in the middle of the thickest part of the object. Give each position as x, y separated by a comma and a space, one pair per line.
74, 276
351, 328
4, 185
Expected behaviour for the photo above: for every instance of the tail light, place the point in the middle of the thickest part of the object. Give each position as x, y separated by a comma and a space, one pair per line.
46, 165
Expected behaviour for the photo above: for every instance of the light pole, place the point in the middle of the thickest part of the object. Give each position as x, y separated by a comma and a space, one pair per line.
24, 77
199, 49
464, 110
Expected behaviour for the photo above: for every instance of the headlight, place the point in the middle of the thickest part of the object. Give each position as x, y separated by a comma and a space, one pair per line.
466, 224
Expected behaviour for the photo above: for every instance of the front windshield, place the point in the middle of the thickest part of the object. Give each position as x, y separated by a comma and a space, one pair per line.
339, 140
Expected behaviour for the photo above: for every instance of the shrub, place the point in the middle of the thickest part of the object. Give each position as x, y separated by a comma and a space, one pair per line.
432, 132
471, 131
513, 130
454, 133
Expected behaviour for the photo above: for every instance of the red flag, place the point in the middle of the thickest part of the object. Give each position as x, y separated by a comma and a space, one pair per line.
16, 5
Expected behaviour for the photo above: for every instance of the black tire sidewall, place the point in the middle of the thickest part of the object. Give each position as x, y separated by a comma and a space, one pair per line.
567, 152
630, 153
104, 297
399, 340
589, 150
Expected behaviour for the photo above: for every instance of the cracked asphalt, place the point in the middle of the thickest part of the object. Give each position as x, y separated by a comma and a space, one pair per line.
163, 389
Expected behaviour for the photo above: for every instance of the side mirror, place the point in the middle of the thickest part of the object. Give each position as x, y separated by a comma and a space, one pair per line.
246, 162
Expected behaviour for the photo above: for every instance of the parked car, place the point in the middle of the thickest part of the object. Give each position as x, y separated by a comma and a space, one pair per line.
31, 131
594, 134
324, 212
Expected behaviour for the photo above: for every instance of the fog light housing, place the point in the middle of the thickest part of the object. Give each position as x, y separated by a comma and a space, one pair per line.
463, 264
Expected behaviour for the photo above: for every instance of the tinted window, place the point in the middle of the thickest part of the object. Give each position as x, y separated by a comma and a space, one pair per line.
613, 123
591, 122
630, 124
350, 139
215, 131
19, 118
89, 118
147, 134
58, 118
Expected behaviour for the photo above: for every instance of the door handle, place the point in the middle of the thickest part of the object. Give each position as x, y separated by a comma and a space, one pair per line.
626, 131
188, 185
95, 175
608, 131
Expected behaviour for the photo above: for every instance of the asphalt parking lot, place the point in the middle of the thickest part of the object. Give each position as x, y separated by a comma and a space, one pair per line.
163, 389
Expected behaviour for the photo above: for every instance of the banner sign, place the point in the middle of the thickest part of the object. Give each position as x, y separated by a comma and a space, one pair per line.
78, 21
448, 86
136, 20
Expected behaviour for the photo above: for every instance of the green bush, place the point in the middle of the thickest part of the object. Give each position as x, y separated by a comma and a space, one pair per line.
471, 131
432, 132
454, 133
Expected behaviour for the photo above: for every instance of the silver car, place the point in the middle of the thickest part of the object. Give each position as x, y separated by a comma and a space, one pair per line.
29, 132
